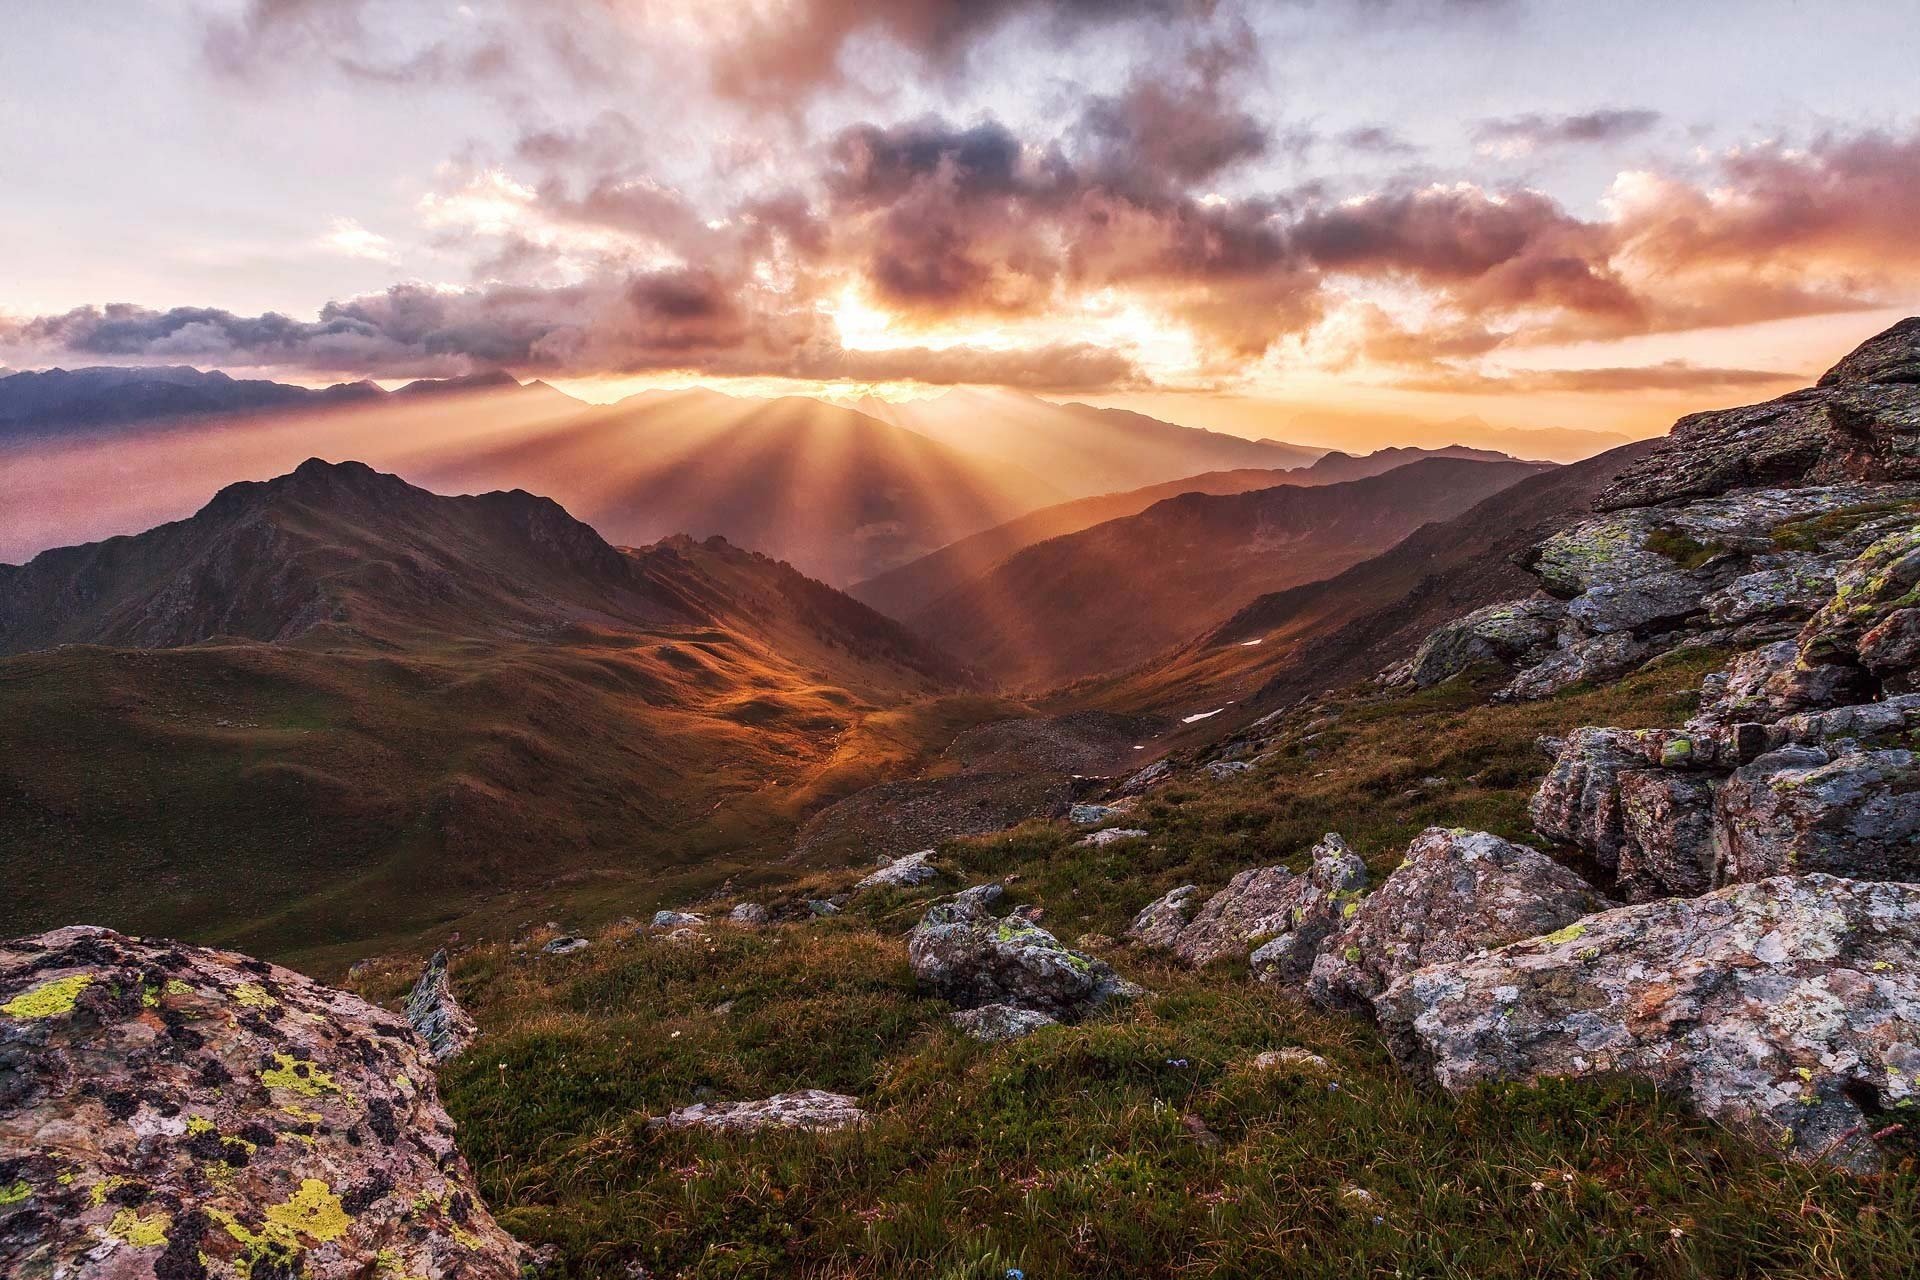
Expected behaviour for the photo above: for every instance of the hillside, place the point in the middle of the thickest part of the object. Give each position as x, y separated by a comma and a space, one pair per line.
902, 592
1080, 449
392, 706
1107, 597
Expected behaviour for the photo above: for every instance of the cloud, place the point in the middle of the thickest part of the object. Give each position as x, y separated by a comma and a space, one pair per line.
1670, 375
1377, 140
1522, 135
349, 239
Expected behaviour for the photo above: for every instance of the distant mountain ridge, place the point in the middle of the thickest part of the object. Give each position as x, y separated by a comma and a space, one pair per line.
1109, 596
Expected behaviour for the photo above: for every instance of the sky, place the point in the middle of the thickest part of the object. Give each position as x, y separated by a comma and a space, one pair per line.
1269, 218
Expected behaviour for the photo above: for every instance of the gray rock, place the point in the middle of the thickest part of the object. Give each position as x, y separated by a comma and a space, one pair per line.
904, 873
1112, 835
1148, 778
1667, 818
566, 945
1869, 591
1890, 356
962, 953
1638, 603
135, 1067
1513, 633
436, 1016
811, 1109
822, 907
750, 914
1578, 802
677, 920
1782, 1004
1602, 657
1160, 921
995, 1023
1457, 892
1776, 587
1089, 815
1273, 913
1219, 770
1834, 809
1890, 649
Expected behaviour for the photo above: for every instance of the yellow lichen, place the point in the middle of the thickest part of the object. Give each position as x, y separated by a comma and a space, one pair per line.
1567, 934
299, 1075
105, 1187
175, 987
312, 1211
49, 999
255, 996
199, 1124
149, 1232
311, 1117
15, 1194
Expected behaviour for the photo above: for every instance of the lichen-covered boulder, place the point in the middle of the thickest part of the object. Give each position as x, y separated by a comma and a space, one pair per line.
1457, 892
1775, 587
1868, 591
1597, 658
176, 1112
995, 1023
436, 1016
1089, 815
1146, 779
814, 1110
1263, 907
1508, 633
1578, 802
749, 915
677, 920
1836, 809
1667, 817
1160, 921
1792, 1004
961, 952
903, 873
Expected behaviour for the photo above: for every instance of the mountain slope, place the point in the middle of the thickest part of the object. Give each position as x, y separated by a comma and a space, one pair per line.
1107, 597
469, 697
1080, 449
904, 591
1323, 634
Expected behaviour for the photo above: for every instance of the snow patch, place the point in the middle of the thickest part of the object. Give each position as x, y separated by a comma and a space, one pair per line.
1203, 715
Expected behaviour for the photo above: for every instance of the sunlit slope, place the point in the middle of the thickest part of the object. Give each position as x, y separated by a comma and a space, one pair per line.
1105, 598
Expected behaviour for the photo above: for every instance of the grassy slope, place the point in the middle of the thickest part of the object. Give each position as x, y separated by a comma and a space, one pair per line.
1085, 1151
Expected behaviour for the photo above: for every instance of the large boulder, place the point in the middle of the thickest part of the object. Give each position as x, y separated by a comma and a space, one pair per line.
436, 1016
1457, 892
1161, 921
1836, 809
1601, 657
1792, 1004
1667, 817
1578, 802
1508, 634
1871, 593
960, 951
903, 873
1888, 357
176, 1112
1270, 909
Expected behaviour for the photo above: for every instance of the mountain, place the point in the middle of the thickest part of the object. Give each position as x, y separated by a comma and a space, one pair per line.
1103, 599
1080, 449
58, 402
902, 592
332, 705
841, 495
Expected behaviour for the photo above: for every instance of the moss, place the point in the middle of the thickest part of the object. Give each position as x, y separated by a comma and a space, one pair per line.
1681, 548
313, 1211
49, 999
299, 1075
149, 1232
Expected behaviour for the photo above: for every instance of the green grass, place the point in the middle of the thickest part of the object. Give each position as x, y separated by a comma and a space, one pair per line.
1140, 1144
1681, 548
1812, 533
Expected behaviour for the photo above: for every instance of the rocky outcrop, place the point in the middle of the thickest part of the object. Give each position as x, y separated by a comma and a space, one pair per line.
1578, 802
170, 1111
996, 1023
1514, 633
434, 1014
814, 1110
1161, 921
1667, 820
1267, 911
1792, 1004
1457, 892
961, 952
1112, 835
1836, 809
903, 873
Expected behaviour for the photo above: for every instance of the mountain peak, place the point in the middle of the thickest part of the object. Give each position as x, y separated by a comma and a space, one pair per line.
1893, 355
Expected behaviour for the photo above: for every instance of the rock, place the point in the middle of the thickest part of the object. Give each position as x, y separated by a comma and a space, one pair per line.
436, 1016
1160, 921
1792, 1004
1578, 802
750, 915
994, 1023
677, 920
1148, 778
811, 1109
1602, 657
1777, 587
1890, 649
1890, 356
1272, 909
1639, 603
1836, 809
903, 873
1742, 691
1088, 815
959, 951
566, 945
1456, 893
1112, 835
1300, 1061
1513, 633
1223, 769
1869, 590
172, 1111
1667, 817
822, 907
